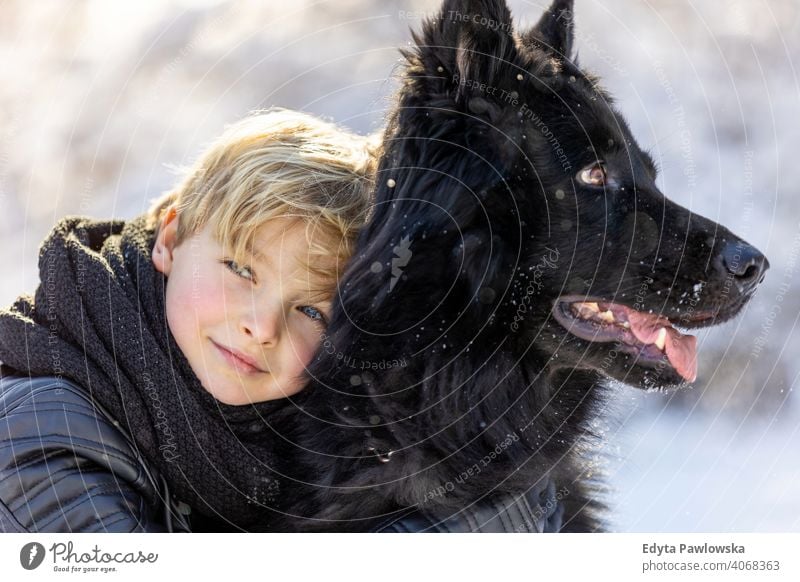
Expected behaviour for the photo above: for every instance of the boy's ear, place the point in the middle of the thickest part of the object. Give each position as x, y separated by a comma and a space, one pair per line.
165, 241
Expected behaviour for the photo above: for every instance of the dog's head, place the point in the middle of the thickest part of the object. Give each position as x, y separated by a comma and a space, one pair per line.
569, 248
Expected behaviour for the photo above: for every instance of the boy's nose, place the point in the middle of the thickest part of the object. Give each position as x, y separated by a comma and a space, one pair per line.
263, 326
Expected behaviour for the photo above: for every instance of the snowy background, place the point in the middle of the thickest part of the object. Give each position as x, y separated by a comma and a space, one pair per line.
100, 100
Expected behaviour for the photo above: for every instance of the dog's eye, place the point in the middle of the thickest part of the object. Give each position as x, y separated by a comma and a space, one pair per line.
594, 175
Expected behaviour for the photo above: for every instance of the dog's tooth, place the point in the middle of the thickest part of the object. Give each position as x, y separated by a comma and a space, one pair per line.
586, 310
606, 316
661, 340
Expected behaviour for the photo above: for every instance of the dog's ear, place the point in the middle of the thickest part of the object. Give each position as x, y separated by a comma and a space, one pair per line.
553, 33
470, 42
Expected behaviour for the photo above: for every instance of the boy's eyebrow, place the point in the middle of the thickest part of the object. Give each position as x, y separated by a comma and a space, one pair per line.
258, 256
326, 295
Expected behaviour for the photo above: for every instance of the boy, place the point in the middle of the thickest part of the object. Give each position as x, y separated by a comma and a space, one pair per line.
155, 350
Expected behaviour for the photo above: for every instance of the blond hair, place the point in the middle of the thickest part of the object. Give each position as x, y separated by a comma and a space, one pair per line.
278, 163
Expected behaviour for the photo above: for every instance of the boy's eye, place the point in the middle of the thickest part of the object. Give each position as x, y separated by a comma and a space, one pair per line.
243, 272
314, 314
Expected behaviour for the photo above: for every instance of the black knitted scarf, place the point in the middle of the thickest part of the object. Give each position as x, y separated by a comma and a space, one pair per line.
98, 319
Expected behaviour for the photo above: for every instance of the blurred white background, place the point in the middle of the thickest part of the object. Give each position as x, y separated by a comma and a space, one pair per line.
100, 99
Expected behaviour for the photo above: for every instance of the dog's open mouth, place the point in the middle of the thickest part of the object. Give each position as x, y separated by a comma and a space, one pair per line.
650, 336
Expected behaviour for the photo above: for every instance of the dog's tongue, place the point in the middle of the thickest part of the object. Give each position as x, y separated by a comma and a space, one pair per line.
681, 349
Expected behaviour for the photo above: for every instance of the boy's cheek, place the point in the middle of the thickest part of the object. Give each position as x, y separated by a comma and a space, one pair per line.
200, 293
192, 304
295, 380
306, 353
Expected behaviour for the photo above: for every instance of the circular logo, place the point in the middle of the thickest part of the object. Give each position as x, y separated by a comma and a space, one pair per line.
31, 555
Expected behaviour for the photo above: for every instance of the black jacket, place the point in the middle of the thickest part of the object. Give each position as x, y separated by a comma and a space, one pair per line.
67, 466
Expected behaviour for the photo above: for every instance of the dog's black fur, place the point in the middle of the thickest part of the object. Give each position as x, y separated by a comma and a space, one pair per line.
460, 344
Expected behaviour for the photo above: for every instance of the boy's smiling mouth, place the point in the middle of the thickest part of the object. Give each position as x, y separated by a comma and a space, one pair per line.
238, 360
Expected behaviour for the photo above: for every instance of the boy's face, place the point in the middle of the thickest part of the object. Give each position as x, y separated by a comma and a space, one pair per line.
248, 331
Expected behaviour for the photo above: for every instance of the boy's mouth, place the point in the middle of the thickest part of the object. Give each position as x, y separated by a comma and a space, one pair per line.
238, 360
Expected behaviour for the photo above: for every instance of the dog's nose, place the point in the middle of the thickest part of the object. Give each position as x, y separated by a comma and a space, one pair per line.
745, 263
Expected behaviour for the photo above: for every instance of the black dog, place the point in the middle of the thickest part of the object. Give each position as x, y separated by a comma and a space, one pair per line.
519, 255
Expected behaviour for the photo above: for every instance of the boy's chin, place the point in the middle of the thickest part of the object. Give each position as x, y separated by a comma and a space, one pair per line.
237, 392
230, 391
